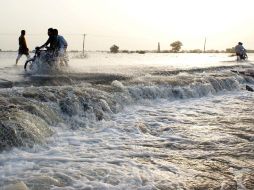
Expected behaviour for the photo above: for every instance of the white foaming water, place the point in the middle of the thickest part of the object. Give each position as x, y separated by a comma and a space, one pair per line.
139, 147
182, 130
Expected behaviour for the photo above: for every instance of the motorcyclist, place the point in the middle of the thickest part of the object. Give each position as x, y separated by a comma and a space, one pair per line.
52, 41
240, 51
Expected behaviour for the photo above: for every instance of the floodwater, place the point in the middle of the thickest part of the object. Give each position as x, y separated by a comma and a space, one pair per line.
130, 121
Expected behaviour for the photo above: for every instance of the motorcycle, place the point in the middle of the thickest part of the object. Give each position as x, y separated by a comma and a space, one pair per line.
43, 59
242, 56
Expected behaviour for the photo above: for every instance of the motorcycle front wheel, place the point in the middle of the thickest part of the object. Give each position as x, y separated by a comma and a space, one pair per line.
28, 65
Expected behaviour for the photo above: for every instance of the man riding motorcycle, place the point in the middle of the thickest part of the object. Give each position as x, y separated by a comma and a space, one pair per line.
54, 54
52, 41
240, 51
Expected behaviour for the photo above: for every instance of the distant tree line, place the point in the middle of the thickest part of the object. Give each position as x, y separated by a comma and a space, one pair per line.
230, 50
175, 48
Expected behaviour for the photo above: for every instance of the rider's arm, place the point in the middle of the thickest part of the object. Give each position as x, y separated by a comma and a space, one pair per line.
44, 45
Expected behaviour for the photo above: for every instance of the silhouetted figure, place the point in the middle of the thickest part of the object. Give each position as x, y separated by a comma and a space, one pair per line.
52, 41
23, 50
240, 51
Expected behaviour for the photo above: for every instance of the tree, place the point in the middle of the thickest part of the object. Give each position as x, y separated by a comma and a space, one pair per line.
114, 49
230, 50
195, 51
176, 46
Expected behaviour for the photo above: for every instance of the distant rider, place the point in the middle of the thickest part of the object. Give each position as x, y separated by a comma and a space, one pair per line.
240, 51
23, 50
61, 47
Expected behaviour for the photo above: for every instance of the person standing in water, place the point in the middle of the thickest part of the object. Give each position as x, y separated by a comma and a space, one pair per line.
23, 50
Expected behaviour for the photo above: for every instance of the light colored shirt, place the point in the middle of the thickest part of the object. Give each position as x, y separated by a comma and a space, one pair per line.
239, 49
62, 43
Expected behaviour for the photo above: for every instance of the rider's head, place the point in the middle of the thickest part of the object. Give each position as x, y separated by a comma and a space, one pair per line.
50, 31
55, 32
23, 32
240, 43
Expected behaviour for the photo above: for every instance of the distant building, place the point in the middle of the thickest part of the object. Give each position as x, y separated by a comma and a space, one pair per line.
159, 48
0, 49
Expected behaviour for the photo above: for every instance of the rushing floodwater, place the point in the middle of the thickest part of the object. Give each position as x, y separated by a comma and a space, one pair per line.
130, 121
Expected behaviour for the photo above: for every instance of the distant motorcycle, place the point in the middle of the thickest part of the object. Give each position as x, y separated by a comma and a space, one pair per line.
43, 59
242, 56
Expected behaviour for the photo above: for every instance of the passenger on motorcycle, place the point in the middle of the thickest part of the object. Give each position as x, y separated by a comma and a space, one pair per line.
61, 48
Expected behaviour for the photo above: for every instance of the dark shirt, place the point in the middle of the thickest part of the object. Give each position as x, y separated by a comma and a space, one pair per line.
22, 45
52, 42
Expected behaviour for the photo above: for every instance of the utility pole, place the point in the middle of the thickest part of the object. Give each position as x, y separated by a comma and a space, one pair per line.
84, 45
159, 48
204, 44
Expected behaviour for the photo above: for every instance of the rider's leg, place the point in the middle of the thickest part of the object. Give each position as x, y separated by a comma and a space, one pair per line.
65, 56
237, 56
61, 56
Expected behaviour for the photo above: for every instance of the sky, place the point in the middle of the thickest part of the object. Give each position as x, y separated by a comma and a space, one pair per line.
130, 24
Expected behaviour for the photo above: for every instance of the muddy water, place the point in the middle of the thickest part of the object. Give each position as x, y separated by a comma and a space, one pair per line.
155, 128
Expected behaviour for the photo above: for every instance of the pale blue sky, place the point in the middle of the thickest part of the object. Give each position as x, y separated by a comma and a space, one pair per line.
131, 24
